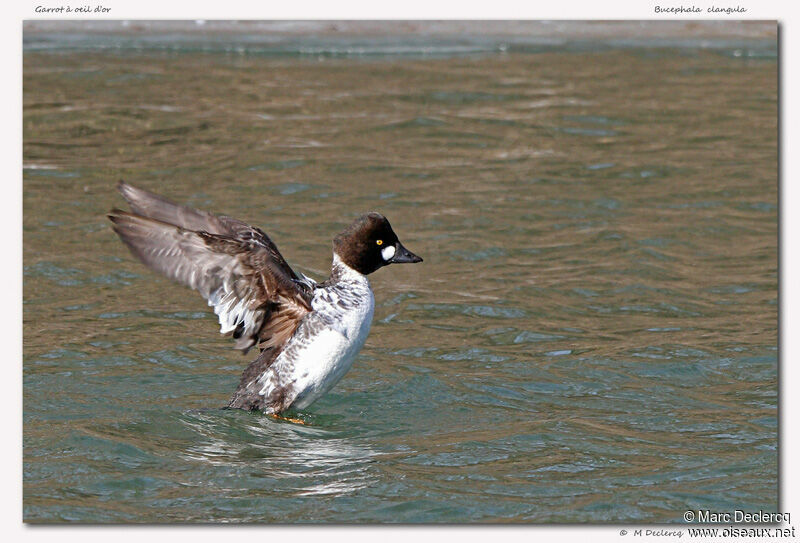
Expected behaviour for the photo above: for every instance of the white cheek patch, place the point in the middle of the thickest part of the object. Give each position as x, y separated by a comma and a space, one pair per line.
388, 252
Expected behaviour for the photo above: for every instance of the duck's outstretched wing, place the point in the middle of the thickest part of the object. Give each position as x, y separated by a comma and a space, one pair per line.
234, 266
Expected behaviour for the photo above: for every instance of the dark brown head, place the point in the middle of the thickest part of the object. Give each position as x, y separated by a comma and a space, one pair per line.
370, 243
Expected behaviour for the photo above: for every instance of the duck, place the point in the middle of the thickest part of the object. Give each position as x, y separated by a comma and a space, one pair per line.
307, 333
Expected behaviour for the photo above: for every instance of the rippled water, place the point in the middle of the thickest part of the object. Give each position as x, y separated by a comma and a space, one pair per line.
591, 338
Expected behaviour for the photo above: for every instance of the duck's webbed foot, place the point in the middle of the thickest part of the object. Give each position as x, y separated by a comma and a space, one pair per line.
288, 419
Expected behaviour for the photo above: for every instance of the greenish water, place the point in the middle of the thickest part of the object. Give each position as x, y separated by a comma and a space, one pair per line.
591, 338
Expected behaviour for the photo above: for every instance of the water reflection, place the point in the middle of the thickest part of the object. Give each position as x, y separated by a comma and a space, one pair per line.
317, 461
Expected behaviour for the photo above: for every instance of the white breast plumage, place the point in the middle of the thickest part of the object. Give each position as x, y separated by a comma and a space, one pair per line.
327, 341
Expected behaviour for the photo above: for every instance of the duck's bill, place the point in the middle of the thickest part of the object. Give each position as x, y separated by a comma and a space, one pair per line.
404, 256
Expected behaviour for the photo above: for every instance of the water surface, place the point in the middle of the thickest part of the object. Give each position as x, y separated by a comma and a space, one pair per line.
591, 338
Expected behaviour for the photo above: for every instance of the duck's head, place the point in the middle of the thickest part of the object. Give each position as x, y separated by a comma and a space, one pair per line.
370, 243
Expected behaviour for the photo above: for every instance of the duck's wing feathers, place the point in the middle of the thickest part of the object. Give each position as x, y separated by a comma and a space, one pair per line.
234, 266
148, 204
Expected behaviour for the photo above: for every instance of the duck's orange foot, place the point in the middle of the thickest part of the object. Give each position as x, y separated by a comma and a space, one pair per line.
288, 419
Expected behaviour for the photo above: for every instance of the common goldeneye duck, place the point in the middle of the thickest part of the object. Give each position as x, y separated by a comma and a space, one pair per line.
309, 333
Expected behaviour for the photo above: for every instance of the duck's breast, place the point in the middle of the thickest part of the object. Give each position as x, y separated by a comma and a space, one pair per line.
328, 341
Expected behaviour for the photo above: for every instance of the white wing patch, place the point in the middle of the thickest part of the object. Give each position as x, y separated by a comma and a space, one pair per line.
232, 312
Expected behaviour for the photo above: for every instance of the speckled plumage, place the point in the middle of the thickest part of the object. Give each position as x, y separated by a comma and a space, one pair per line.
321, 351
309, 333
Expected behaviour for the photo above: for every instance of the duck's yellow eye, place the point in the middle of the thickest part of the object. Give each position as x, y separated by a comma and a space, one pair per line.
379, 242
